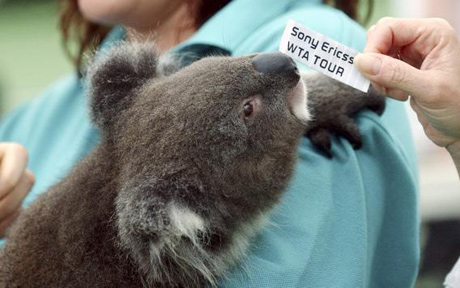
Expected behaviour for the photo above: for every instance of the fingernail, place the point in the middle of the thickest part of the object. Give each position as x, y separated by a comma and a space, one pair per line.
372, 28
368, 64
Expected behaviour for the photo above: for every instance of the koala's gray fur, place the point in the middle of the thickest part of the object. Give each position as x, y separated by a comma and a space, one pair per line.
181, 181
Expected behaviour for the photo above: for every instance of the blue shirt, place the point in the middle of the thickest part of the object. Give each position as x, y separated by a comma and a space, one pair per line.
350, 221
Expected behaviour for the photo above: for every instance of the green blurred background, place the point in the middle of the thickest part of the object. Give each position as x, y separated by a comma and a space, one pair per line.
31, 54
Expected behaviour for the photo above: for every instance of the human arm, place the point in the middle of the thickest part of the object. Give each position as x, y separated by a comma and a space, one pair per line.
429, 72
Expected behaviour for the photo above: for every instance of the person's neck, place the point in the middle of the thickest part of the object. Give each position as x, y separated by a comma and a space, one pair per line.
176, 28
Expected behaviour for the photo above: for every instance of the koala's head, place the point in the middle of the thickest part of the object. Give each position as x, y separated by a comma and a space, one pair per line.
221, 127
219, 115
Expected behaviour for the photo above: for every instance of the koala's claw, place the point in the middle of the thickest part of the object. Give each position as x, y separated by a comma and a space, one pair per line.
375, 102
321, 139
344, 127
350, 131
378, 108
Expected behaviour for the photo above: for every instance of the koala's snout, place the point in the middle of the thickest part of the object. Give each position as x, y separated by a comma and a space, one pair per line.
276, 63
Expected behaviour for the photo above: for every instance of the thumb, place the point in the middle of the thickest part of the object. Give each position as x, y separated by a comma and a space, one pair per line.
391, 73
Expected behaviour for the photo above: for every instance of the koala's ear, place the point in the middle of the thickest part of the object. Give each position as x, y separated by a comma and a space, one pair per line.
115, 75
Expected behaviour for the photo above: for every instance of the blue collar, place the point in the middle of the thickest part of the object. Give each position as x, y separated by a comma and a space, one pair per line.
117, 34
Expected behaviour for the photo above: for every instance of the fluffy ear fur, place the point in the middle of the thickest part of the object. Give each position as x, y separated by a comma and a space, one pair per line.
115, 75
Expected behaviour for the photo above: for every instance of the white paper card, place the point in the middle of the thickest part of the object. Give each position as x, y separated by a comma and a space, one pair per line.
322, 54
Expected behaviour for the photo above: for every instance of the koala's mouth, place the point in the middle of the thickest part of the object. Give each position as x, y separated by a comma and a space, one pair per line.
297, 102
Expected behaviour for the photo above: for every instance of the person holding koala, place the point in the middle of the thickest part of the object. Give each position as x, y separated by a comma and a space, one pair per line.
345, 221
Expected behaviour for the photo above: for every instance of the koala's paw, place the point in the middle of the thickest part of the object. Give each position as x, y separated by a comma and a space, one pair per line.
347, 128
333, 106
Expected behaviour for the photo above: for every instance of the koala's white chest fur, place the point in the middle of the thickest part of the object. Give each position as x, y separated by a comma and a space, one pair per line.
185, 222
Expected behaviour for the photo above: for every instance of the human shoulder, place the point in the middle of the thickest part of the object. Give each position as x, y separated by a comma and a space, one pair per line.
321, 18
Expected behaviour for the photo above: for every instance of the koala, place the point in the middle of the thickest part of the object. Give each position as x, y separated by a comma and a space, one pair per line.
190, 163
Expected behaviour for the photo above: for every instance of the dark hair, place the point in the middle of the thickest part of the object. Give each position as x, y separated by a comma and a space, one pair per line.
80, 35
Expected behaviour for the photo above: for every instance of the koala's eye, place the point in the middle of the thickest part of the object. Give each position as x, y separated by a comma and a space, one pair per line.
248, 109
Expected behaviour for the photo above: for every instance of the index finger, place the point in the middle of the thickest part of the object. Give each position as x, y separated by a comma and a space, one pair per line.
391, 33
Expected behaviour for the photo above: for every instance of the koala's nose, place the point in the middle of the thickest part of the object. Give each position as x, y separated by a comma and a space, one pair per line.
275, 63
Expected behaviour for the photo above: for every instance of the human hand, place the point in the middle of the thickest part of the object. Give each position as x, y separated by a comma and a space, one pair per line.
15, 182
429, 72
